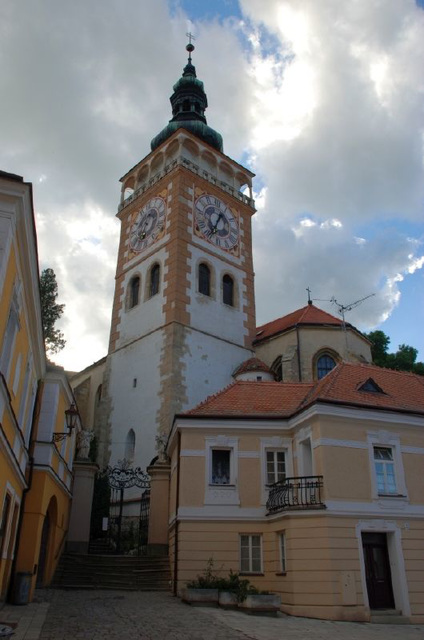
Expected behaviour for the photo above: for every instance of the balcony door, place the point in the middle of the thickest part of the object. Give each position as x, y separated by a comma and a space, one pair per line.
377, 571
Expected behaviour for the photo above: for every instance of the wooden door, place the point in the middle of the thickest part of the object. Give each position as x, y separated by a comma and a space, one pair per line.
377, 570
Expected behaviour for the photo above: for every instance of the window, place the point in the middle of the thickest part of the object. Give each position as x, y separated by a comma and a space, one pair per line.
154, 280
251, 554
221, 459
12, 329
275, 466
228, 290
277, 368
283, 552
130, 446
325, 364
204, 279
385, 470
4, 521
134, 292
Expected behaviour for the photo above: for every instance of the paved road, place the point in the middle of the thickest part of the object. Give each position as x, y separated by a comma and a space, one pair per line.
109, 615
103, 615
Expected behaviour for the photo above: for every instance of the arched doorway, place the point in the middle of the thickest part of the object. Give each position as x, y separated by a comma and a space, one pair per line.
46, 543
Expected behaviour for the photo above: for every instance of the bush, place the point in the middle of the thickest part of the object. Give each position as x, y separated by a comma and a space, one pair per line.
234, 584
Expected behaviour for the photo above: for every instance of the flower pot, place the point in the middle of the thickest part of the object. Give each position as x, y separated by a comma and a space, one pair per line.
261, 604
227, 600
200, 597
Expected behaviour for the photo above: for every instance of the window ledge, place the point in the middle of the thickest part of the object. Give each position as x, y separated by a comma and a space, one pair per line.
281, 573
222, 486
251, 573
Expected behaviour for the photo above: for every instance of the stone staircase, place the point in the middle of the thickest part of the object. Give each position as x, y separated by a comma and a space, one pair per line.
133, 573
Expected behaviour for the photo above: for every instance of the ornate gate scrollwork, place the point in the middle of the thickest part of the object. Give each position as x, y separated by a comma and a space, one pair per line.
126, 532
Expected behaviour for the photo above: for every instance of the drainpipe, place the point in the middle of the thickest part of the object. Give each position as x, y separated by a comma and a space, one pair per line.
177, 503
298, 353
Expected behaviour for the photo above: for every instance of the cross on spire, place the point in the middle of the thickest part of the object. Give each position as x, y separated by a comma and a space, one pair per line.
190, 46
309, 295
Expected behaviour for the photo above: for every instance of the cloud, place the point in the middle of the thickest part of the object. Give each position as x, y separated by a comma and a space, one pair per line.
322, 99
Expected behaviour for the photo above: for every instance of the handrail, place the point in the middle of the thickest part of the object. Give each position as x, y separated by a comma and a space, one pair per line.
300, 492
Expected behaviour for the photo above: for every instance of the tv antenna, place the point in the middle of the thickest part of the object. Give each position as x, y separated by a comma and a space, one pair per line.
342, 308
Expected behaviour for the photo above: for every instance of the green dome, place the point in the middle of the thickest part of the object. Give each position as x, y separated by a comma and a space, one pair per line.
189, 102
196, 127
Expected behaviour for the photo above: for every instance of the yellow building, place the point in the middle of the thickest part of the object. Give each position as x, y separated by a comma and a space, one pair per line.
35, 469
314, 491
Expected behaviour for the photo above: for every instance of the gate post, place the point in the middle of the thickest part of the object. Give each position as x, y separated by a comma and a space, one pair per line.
82, 500
159, 508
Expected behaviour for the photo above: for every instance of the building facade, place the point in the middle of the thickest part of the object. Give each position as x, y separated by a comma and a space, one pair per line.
314, 491
35, 468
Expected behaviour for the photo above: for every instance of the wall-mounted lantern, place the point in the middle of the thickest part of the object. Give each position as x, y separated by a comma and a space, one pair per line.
71, 417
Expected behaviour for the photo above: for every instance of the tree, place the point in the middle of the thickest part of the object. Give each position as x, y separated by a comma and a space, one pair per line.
404, 359
379, 347
50, 311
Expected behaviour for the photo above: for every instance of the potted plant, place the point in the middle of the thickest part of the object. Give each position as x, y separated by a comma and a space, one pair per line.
228, 591
203, 591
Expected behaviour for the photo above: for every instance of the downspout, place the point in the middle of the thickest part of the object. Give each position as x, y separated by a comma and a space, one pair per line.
35, 414
298, 353
177, 503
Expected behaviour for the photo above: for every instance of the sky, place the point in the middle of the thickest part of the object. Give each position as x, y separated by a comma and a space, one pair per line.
323, 100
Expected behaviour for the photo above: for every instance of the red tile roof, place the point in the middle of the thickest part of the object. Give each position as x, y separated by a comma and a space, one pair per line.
250, 398
253, 364
309, 315
401, 392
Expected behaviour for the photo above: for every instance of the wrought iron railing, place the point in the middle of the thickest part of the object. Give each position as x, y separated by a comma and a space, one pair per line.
303, 492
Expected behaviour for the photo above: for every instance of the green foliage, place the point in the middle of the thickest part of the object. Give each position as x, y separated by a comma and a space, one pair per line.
50, 311
241, 587
404, 359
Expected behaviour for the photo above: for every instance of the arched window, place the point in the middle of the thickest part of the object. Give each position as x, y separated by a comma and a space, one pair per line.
204, 279
228, 290
325, 364
130, 446
154, 280
134, 292
277, 368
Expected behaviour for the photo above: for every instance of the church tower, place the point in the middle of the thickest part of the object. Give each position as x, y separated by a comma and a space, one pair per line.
184, 311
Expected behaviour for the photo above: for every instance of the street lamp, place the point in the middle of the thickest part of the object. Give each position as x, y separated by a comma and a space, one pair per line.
71, 417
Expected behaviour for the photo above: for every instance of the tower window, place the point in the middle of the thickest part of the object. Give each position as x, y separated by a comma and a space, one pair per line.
204, 279
325, 364
186, 105
228, 290
154, 280
130, 446
134, 292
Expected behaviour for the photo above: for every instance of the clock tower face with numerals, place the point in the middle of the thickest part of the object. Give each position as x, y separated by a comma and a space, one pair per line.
148, 225
184, 312
216, 222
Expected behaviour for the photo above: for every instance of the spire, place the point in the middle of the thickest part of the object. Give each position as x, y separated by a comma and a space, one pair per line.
189, 102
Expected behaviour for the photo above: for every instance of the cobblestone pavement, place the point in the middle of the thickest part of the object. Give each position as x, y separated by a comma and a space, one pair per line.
109, 615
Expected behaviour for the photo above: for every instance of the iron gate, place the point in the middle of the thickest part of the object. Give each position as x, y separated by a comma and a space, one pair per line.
120, 516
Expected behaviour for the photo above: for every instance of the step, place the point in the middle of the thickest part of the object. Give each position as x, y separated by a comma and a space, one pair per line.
388, 616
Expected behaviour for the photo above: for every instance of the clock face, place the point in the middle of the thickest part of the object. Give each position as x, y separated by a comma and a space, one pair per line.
216, 222
148, 224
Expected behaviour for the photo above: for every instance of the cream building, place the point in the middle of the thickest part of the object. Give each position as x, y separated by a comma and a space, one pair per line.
314, 491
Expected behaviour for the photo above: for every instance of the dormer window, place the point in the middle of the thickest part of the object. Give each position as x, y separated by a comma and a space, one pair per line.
370, 386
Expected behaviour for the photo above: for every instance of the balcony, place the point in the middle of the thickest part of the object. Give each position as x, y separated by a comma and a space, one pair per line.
295, 493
